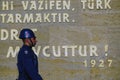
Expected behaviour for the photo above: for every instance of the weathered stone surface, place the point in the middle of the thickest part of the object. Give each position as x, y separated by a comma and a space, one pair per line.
91, 27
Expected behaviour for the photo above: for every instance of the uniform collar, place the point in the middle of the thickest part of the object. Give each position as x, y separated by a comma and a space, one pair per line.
27, 46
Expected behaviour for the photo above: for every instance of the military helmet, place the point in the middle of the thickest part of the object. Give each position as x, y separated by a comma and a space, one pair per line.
26, 33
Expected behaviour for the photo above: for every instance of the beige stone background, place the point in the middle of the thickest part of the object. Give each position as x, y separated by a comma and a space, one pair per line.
97, 27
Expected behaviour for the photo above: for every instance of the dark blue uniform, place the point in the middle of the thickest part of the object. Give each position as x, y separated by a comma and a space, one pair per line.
27, 64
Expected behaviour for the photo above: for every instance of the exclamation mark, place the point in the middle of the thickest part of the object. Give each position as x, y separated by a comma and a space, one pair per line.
106, 50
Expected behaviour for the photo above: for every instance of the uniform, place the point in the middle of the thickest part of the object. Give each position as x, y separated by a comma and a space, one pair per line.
27, 64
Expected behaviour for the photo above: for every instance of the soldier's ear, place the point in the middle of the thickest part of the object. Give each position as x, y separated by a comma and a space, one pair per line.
27, 40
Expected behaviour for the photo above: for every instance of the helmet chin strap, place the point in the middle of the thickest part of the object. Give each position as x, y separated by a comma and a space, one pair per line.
31, 42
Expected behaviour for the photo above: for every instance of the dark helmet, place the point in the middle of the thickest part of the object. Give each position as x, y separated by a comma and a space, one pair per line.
26, 33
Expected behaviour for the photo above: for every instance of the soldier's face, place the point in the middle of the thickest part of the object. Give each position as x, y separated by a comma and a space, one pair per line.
34, 41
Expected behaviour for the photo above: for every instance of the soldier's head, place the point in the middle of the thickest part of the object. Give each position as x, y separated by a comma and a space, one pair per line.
28, 37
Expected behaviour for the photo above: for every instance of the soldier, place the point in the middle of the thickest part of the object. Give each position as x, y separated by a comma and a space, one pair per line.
27, 62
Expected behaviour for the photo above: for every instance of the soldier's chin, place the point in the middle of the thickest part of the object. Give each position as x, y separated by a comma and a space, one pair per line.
33, 45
